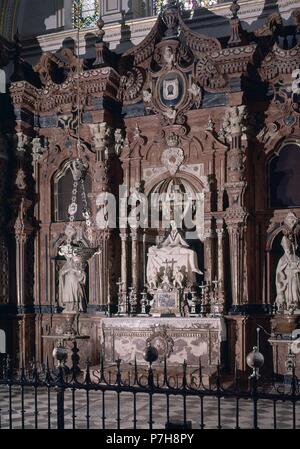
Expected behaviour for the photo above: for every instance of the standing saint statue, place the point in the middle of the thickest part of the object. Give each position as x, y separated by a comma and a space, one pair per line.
288, 278
72, 280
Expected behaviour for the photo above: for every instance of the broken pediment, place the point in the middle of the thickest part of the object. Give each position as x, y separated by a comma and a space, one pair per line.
170, 71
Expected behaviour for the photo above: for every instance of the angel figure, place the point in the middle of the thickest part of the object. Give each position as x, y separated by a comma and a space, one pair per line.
178, 278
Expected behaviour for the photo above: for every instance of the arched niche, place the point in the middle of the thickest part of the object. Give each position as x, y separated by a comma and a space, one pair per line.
284, 175
273, 256
289, 227
169, 193
62, 186
2, 341
58, 261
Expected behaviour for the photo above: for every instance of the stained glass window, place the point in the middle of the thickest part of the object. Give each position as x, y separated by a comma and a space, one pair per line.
85, 13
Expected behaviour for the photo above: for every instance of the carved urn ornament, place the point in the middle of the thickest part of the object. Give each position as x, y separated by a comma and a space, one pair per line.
170, 18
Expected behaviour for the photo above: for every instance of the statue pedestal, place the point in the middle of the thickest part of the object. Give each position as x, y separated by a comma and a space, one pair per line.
177, 339
284, 324
280, 350
282, 329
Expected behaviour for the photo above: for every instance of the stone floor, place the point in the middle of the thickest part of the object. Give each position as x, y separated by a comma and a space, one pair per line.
228, 411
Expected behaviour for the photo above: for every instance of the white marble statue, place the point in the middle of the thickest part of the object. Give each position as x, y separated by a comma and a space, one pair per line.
174, 251
72, 280
288, 278
178, 278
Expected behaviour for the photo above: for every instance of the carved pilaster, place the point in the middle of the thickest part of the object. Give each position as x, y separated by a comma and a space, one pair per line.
209, 251
102, 276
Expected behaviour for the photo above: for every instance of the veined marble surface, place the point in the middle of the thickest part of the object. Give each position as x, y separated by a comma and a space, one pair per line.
178, 339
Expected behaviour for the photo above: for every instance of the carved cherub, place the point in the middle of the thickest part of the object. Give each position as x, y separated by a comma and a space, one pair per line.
78, 169
170, 113
178, 278
195, 90
147, 96
153, 280
169, 57
20, 179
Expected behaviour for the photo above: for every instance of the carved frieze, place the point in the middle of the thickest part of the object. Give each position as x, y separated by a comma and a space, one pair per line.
63, 95
279, 62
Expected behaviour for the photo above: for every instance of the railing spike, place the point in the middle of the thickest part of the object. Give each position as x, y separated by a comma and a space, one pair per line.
165, 372
184, 377
119, 378
135, 371
200, 372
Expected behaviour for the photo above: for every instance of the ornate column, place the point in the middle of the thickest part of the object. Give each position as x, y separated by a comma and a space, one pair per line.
39, 149
220, 234
209, 261
209, 233
102, 136
23, 226
4, 269
124, 258
236, 215
135, 259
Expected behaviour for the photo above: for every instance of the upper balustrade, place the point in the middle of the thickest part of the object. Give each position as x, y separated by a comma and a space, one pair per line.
86, 12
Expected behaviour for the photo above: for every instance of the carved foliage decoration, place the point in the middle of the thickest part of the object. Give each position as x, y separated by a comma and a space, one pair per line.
199, 43
208, 74
272, 23
131, 85
47, 65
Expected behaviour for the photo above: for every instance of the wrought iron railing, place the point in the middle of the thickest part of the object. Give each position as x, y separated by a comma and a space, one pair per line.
128, 396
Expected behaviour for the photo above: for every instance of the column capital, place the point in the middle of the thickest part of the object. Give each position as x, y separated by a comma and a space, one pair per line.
220, 225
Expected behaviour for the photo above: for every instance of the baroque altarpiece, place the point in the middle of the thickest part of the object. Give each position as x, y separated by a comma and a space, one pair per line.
179, 112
